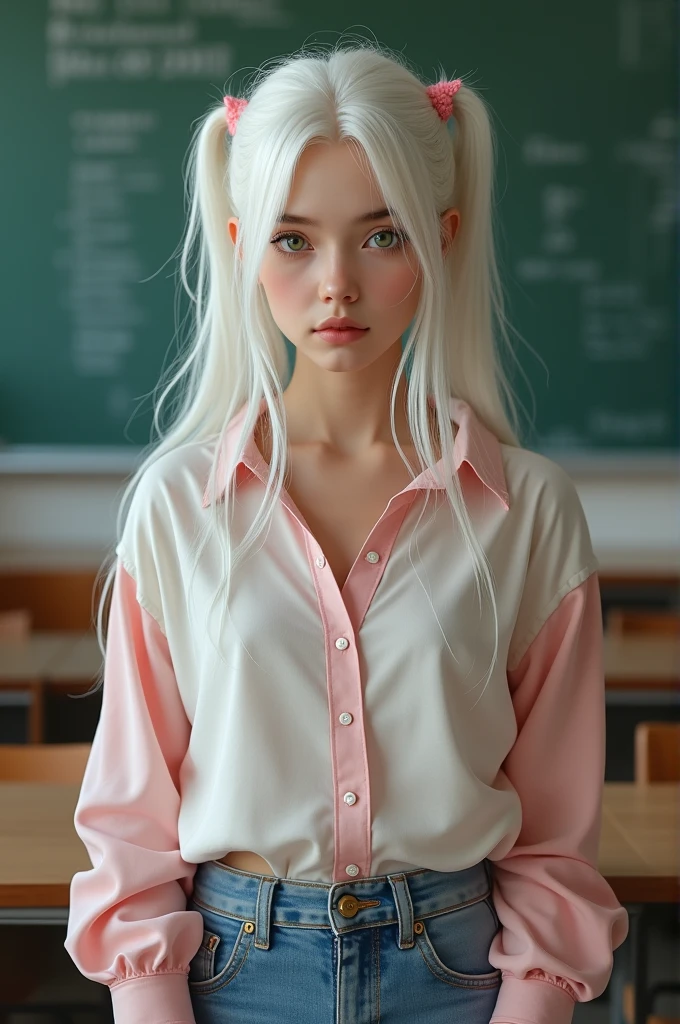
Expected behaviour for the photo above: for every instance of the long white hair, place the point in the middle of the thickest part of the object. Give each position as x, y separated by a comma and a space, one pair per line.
237, 355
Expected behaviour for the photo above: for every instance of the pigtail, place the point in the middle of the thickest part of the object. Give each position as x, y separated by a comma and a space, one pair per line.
475, 281
208, 247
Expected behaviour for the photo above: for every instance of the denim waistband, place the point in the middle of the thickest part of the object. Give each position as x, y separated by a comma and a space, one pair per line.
397, 898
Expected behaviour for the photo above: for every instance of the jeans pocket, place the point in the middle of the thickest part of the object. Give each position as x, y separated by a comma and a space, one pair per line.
224, 947
455, 944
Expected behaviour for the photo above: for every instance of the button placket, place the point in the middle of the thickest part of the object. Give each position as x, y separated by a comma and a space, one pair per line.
348, 751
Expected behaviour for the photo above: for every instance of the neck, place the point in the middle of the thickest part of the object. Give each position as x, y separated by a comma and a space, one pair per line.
346, 412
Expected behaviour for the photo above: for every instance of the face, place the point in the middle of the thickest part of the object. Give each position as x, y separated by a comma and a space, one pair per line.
345, 264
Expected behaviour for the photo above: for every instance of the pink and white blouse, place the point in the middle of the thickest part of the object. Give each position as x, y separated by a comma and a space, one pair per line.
353, 731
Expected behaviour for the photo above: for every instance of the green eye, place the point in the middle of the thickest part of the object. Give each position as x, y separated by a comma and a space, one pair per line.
382, 234
290, 239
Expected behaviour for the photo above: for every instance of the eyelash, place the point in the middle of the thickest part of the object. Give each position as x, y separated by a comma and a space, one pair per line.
401, 237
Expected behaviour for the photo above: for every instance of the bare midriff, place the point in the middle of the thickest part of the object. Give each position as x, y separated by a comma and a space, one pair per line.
245, 860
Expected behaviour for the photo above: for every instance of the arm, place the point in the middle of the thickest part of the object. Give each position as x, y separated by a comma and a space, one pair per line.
128, 925
560, 919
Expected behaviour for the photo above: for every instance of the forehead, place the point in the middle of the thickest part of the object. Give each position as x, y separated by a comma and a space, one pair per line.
335, 174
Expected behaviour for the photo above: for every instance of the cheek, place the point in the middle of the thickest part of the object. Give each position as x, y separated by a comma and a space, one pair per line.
395, 285
277, 285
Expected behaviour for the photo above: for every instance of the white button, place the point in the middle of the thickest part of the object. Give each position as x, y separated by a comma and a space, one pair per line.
342, 643
372, 556
346, 718
350, 798
321, 561
352, 869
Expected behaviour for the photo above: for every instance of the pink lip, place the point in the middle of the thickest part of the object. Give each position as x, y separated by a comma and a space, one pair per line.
339, 323
341, 337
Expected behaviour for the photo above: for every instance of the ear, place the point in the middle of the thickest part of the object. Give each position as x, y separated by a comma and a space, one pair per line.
450, 220
232, 227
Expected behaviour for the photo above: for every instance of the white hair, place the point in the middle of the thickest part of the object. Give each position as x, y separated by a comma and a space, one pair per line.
237, 354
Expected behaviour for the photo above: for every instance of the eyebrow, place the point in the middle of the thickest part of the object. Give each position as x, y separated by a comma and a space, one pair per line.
291, 218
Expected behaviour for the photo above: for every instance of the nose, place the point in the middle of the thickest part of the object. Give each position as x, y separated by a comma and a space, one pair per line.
338, 281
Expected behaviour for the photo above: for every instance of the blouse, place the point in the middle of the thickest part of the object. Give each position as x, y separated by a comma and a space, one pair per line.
342, 732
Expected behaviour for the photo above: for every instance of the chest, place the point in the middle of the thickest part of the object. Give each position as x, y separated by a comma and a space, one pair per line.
342, 499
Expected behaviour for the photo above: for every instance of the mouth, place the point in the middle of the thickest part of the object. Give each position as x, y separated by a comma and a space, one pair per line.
342, 335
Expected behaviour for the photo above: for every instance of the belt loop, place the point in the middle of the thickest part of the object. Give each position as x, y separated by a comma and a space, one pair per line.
402, 898
489, 872
265, 894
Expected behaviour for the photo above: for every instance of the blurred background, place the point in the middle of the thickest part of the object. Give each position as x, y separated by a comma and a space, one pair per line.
98, 104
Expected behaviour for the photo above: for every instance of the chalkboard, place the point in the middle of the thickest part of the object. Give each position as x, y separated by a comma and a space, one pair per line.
98, 103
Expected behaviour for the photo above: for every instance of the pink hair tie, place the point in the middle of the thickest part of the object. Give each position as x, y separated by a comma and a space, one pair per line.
233, 107
441, 95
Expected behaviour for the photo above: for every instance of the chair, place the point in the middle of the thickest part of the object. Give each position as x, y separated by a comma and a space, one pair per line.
657, 752
51, 763
657, 759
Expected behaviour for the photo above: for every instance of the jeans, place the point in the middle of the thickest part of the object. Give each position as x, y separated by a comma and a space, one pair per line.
400, 948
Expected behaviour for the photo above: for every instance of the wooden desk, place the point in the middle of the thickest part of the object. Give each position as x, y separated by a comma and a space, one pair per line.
641, 661
25, 665
640, 841
40, 852
46, 658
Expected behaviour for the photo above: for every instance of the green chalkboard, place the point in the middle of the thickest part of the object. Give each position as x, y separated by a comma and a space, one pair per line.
98, 102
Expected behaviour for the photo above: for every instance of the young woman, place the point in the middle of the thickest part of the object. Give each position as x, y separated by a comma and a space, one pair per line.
369, 789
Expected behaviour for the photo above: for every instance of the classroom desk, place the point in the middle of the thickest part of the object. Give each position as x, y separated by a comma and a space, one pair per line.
45, 658
641, 661
40, 851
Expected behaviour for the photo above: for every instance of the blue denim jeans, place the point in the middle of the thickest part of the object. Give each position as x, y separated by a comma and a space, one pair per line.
400, 948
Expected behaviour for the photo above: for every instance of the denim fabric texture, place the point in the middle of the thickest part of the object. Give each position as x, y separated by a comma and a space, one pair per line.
410, 947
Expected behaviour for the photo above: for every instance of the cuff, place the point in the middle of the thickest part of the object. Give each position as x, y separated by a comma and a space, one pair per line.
153, 999
532, 1001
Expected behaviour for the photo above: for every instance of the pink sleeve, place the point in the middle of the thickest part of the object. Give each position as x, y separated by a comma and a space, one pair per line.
560, 918
128, 925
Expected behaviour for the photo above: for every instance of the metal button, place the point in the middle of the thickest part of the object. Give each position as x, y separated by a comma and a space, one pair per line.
342, 643
346, 718
321, 561
352, 869
350, 798
349, 905
372, 556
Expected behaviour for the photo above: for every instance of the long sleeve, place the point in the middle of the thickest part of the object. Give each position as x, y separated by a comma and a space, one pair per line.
128, 924
560, 918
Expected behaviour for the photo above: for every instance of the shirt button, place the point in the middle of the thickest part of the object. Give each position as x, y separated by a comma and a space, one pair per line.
352, 869
342, 643
346, 718
350, 798
321, 561
372, 556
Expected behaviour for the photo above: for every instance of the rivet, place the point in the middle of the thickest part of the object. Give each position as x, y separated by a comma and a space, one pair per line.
418, 927
249, 926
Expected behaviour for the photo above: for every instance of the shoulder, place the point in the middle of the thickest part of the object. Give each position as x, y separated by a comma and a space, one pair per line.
550, 538
543, 494
175, 480
534, 480
165, 503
